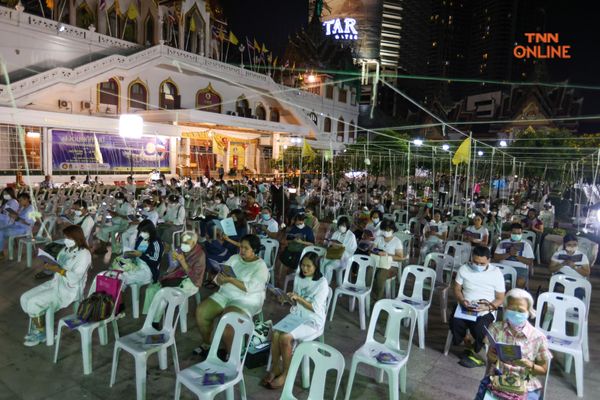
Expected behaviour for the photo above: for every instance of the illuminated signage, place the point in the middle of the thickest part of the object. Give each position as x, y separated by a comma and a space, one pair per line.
341, 29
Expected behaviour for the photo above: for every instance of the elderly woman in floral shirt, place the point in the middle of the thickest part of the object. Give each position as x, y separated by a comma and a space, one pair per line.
516, 329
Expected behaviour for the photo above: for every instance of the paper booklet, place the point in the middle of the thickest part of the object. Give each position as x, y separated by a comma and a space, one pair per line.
213, 378
434, 228
159, 338
67, 219
280, 294
465, 313
472, 235
506, 352
574, 257
46, 257
289, 323
509, 245
227, 270
228, 226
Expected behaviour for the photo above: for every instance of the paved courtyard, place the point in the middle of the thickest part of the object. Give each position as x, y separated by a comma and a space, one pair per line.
30, 374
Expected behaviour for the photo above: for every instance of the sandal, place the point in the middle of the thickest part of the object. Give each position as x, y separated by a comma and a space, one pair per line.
471, 362
267, 380
274, 387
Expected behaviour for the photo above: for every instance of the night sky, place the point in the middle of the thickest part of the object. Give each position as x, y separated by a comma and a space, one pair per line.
271, 21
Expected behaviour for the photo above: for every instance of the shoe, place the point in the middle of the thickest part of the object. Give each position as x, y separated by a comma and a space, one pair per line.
36, 339
32, 333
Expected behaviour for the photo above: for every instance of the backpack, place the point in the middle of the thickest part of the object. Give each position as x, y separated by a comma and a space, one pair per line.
95, 308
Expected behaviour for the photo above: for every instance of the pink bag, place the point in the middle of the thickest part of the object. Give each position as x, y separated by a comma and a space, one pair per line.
110, 284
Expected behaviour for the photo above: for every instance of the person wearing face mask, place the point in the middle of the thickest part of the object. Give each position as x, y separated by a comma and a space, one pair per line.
189, 261
477, 233
378, 206
517, 253
374, 224
494, 223
120, 222
7, 202
173, 220
232, 202
298, 236
142, 265
385, 245
70, 273
148, 213
515, 329
435, 234
532, 222
570, 260
479, 287
344, 238
267, 225
218, 210
21, 222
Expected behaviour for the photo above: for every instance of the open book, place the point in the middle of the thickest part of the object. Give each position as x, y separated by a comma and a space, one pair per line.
574, 257
463, 312
289, 323
280, 294
227, 270
228, 226
46, 257
506, 352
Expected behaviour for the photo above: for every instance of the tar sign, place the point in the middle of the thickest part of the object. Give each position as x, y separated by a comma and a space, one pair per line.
345, 30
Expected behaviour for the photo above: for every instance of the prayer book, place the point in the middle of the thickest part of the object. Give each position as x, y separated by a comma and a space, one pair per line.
73, 323
228, 226
506, 352
574, 257
227, 270
473, 235
465, 313
46, 257
386, 358
289, 323
159, 338
280, 294
213, 378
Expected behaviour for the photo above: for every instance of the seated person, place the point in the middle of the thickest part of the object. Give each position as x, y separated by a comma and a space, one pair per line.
216, 253
141, 266
342, 238
493, 223
310, 297
311, 220
174, 220
374, 222
20, 222
570, 261
7, 202
516, 330
189, 261
232, 202
69, 280
241, 227
478, 286
267, 225
148, 213
120, 218
298, 237
533, 223
477, 234
517, 253
252, 207
386, 245
435, 233
244, 293
218, 210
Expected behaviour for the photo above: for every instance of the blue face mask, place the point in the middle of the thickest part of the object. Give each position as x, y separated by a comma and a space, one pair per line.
516, 319
478, 268
143, 246
266, 217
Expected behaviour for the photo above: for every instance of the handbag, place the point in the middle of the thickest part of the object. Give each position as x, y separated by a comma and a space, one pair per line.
95, 308
110, 284
381, 262
335, 252
151, 291
508, 383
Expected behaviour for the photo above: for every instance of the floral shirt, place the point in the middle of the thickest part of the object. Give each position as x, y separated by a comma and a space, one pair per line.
534, 347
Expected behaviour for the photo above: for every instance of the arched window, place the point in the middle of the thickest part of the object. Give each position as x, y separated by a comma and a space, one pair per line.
138, 96
341, 126
351, 132
274, 115
149, 30
327, 124
242, 107
208, 100
108, 93
169, 96
261, 113
84, 17
194, 31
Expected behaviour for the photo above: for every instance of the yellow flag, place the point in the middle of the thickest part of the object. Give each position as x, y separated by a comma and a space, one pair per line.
256, 45
232, 39
264, 48
192, 25
308, 152
50, 4
132, 11
117, 8
97, 152
463, 154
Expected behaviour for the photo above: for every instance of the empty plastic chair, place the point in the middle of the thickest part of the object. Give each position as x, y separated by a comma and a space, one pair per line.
510, 272
325, 358
140, 344
559, 338
462, 251
423, 277
232, 369
43, 236
269, 255
367, 353
444, 269
360, 290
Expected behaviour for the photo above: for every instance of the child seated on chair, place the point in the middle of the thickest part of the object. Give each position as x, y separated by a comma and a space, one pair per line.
310, 306
70, 274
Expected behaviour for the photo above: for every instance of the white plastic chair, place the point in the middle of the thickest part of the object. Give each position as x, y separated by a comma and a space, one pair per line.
570, 284
135, 297
400, 215
509, 271
86, 331
389, 216
135, 343
414, 225
359, 290
452, 228
321, 251
269, 255
423, 277
461, 220
178, 233
397, 314
462, 251
233, 368
43, 236
325, 358
401, 226
559, 339
444, 263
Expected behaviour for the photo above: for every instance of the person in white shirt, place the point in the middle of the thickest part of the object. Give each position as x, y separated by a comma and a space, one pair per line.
478, 286
342, 237
174, 220
310, 298
7, 202
569, 260
386, 245
267, 225
232, 202
375, 223
508, 253
218, 209
131, 187
149, 213
120, 222
243, 294
477, 234
435, 233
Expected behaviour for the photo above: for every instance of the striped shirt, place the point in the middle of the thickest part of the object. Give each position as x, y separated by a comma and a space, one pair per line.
534, 347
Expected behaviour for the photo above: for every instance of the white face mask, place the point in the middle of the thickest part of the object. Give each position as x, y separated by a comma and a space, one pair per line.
300, 226
343, 229
119, 201
77, 213
375, 221
144, 235
186, 248
571, 249
6, 196
231, 195
218, 201
388, 234
146, 209
69, 242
